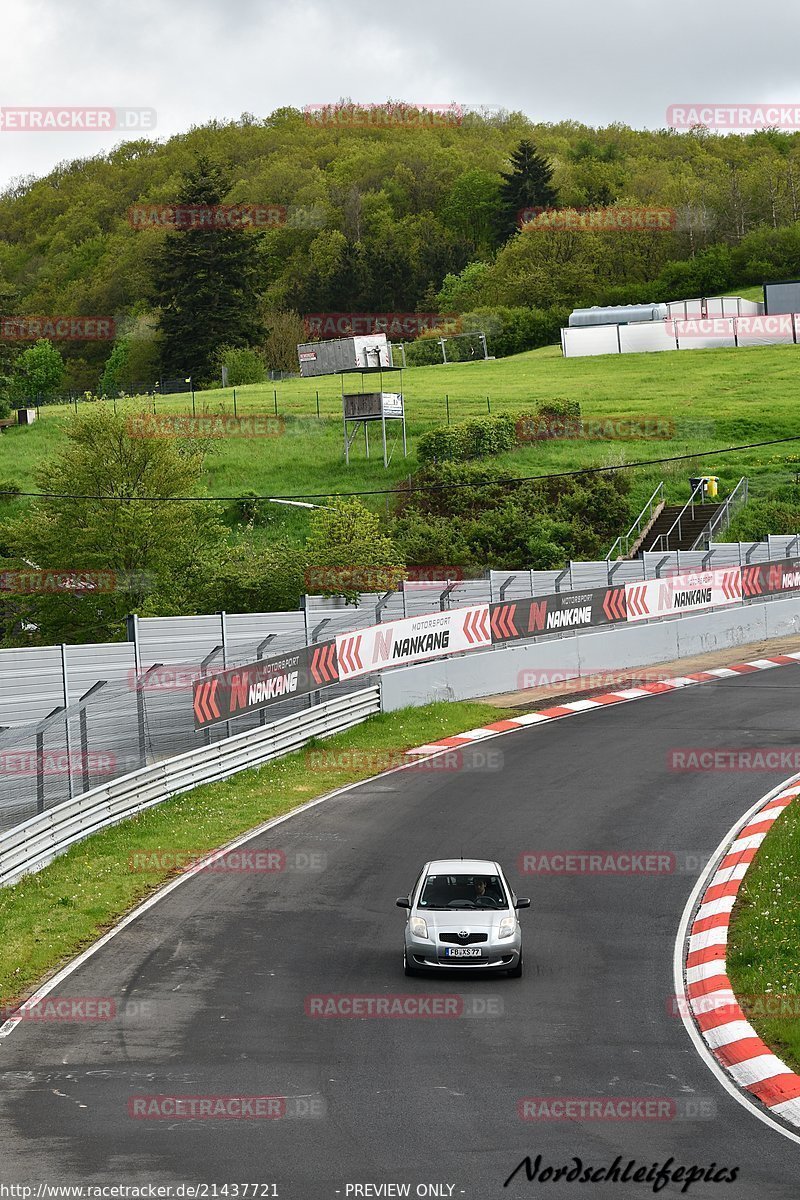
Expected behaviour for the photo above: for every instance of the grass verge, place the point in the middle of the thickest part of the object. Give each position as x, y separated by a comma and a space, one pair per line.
50, 917
764, 940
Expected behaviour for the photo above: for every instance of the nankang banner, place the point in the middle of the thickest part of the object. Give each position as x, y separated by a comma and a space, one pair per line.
779, 575
413, 639
557, 611
683, 593
255, 685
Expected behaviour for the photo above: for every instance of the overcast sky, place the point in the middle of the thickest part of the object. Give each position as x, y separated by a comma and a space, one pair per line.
596, 61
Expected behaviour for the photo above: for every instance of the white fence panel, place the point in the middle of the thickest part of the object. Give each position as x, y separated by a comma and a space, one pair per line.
651, 335
595, 339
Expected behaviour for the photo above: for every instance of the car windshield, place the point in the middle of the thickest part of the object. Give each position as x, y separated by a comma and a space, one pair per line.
463, 891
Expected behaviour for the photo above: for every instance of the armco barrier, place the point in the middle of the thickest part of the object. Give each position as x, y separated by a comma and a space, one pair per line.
30, 846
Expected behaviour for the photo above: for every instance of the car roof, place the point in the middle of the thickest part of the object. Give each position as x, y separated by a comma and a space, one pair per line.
463, 866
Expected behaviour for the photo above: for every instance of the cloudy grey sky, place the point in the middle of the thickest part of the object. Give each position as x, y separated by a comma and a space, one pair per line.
596, 61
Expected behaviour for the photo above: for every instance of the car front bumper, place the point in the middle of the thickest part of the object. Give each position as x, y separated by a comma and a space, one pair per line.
426, 955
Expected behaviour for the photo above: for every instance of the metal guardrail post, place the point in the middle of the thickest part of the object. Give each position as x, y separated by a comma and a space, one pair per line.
505, 586
557, 584
132, 624
101, 683
260, 648
223, 630
203, 665
450, 588
141, 680
314, 697
40, 731
68, 742
379, 607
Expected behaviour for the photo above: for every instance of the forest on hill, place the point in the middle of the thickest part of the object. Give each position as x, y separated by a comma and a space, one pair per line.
394, 217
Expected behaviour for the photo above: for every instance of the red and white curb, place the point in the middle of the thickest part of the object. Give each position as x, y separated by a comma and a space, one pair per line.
707, 997
619, 697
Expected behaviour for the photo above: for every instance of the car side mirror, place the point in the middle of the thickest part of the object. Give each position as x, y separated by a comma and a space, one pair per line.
404, 902
522, 902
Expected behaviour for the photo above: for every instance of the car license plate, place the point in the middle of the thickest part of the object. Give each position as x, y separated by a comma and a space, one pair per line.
462, 952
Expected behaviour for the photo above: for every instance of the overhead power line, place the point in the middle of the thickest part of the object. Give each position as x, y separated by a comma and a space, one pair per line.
421, 487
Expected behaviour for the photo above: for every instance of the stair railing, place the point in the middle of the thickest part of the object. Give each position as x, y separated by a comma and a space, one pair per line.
723, 517
662, 541
626, 540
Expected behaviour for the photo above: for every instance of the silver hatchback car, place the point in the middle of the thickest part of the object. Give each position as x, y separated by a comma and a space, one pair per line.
462, 913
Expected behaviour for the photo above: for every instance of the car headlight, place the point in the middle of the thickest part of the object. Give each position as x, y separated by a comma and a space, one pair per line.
507, 927
419, 927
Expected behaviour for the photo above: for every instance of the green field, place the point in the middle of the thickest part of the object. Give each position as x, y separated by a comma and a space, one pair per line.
714, 398
763, 963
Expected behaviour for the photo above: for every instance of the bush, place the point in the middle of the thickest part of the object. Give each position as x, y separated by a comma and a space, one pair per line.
243, 366
248, 509
425, 351
489, 519
512, 330
477, 438
439, 445
557, 417
5, 409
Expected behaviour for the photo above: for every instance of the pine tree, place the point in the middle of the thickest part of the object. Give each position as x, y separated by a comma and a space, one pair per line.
205, 282
527, 185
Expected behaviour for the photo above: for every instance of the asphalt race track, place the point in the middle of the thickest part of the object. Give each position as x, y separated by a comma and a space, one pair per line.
212, 983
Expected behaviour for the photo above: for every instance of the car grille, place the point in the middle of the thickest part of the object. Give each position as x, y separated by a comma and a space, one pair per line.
470, 940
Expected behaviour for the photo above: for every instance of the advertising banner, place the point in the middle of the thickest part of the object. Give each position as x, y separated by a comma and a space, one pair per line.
683, 593
556, 611
413, 639
780, 575
255, 685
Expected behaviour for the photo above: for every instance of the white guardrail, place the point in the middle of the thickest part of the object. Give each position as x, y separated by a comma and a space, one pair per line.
30, 846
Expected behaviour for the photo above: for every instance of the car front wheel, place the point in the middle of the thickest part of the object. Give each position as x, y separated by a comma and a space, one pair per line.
516, 972
407, 970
